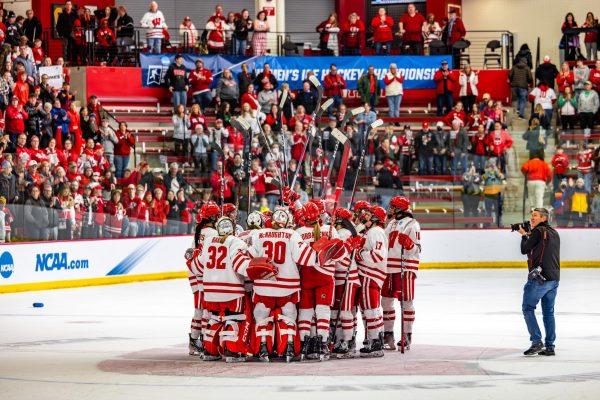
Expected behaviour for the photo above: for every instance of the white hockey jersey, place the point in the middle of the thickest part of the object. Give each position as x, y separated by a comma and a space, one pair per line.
307, 233
223, 266
286, 250
194, 275
341, 267
372, 258
397, 258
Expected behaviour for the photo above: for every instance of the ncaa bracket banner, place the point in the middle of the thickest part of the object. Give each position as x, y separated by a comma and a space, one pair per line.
418, 71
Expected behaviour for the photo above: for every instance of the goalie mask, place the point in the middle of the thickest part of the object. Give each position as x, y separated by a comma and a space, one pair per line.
225, 226
282, 218
255, 220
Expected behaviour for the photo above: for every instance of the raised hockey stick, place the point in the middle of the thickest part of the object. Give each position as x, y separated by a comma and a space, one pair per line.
243, 126
402, 341
282, 101
313, 79
375, 124
221, 153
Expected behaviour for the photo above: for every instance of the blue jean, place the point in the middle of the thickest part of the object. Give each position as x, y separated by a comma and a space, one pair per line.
533, 292
445, 102
154, 45
521, 100
587, 181
461, 158
379, 48
203, 99
337, 100
239, 47
179, 97
549, 115
479, 162
440, 164
394, 105
121, 163
425, 165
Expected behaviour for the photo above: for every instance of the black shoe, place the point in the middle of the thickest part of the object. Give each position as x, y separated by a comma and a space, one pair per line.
534, 349
263, 353
548, 351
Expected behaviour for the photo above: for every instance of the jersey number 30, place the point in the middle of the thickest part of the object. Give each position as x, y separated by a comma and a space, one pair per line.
275, 251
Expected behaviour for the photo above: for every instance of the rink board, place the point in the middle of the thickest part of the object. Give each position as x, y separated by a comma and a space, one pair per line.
50, 265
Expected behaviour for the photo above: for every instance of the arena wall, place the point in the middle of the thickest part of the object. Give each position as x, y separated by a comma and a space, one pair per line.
51, 265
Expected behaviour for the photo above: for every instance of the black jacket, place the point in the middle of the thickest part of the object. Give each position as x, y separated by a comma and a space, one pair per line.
545, 250
258, 82
244, 80
177, 77
306, 99
8, 187
64, 25
241, 29
13, 33
126, 24
32, 28
546, 72
33, 124
425, 143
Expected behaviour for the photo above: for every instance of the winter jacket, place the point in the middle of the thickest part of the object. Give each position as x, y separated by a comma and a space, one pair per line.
181, 127
35, 213
334, 85
587, 102
580, 76
536, 140
458, 142
537, 170
546, 73
472, 80
126, 24
520, 75
60, 119
306, 99
261, 80
8, 187
36, 115
65, 22
444, 85
560, 162
364, 88
227, 89
177, 77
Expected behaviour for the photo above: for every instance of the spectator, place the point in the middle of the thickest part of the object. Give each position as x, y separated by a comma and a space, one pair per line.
216, 27
537, 174
585, 165
565, 77
160, 209
181, 132
243, 26
445, 82
540, 114
217, 135
259, 37
108, 140
35, 216
456, 114
35, 114
328, 35
177, 81
265, 79
228, 184
440, 149
200, 148
124, 30
306, 98
196, 117
545, 96
587, 107
15, 119
520, 80
382, 26
425, 146
8, 183
569, 43
404, 143
364, 120
493, 181
546, 73
560, 204
267, 98
431, 31
352, 31
471, 192
468, 80
200, 80
567, 108
188, 33
21, 89
64, 28
560, 163
32, 27
335, 85
384, 180
106, 40
524, 54
453, 31
38, 53
227, 90
126, 141
154, 22
591, 40
250, 98
498, 142
479, 149
394, 90
13, 30
536, 139
224, 114
368, 87
411, 31
595, 208
581, 74
595, 76
458, 146
245, 78
579, 200
288, 105
174, 180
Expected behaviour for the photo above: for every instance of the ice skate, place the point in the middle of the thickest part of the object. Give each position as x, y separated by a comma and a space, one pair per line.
289, 352
263, 353
304, 348
342, 350
323, 349
375, 349
195, 346
313, 348
388, 341
407, 339
210, 357
231, 357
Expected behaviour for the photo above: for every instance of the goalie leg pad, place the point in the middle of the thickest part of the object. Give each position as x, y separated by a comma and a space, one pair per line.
211, 335
264, 327
287, 333
235, 334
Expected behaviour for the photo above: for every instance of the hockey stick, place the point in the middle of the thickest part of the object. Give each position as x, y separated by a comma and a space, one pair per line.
339, 187
354, 112
375, 124
402, 342
219, 149
313, 79
243, 126
282, 101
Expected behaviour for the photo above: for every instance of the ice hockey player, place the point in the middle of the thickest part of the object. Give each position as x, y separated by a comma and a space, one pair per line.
347, 286
231, 211
223, 261
359, 206
317, 286
205, 222
371, 257
404, 235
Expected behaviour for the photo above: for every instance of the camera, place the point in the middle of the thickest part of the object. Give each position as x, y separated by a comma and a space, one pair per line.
526, 225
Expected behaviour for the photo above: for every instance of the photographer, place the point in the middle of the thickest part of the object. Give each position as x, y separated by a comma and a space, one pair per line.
541, 243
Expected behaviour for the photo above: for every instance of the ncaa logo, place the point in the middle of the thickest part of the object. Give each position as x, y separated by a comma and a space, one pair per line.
7, 265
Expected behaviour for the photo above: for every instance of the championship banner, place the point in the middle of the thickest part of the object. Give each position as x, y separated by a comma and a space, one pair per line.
54, 72
418, 71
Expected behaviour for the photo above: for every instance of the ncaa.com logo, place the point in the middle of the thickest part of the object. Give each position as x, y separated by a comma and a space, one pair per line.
7, 265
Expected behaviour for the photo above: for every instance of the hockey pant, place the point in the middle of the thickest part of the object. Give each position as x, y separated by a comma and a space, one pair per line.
275, 323
370, 306
401, 288
228, 327
346, 324
316, 299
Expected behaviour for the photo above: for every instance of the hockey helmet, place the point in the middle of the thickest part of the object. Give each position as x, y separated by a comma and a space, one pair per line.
310, 213
378, 214
228, 209
320, 205
225, 226
360, 206
255, 220
399, 203
210, 211
342, 213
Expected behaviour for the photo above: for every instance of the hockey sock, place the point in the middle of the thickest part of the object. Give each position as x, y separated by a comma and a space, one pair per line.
389, 314
323, 314
374, 322
196, 328
305, 317
409, 315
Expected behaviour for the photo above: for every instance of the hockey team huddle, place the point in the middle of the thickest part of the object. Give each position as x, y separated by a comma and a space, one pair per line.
292, 284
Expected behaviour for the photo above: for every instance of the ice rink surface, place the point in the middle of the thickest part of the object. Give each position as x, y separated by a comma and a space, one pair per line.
129, 341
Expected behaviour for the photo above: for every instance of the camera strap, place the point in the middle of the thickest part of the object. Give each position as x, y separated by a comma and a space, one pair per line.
544, 237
